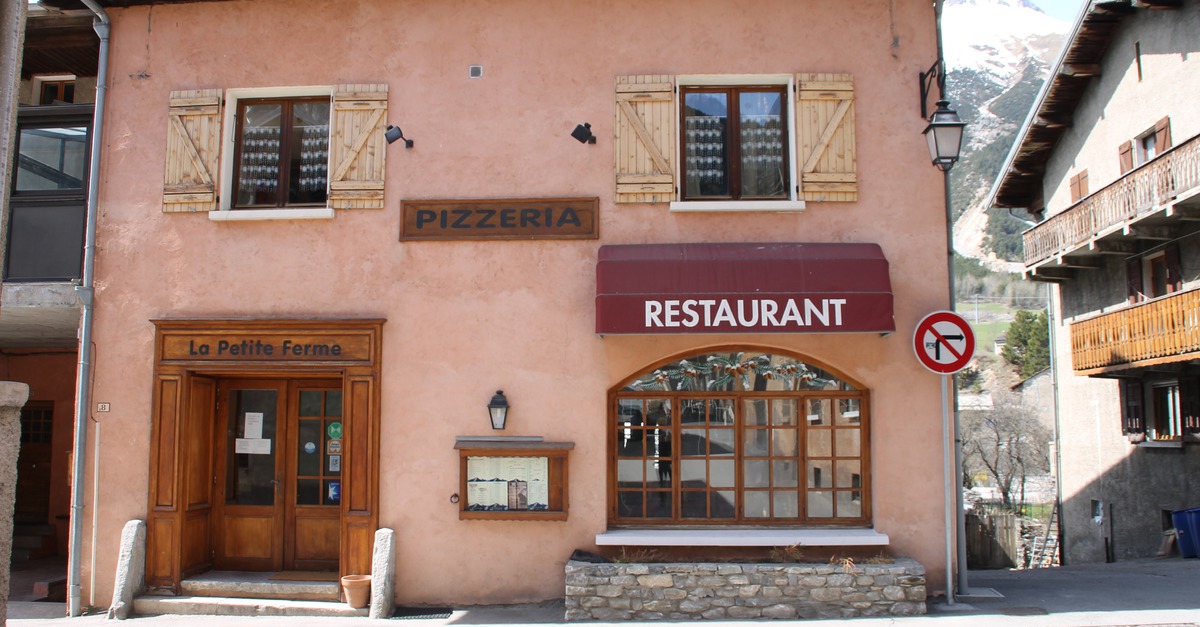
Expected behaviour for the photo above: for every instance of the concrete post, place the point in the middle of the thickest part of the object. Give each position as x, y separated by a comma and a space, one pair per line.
131, 570
383, 575
12, 399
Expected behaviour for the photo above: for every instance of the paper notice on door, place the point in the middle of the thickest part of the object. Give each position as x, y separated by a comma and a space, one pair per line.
252, 446
254, 425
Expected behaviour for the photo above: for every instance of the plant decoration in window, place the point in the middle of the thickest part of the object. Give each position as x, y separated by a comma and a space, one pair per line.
735, 143
741, 438
282, 153
732, 371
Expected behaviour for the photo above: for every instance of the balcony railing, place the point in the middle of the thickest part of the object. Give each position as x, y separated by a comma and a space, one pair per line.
1141, 191
1161, 329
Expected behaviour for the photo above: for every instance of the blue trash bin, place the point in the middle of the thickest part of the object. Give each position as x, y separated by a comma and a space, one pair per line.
1185, 530
1193, 518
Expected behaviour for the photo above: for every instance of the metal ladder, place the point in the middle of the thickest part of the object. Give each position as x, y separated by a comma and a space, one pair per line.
1045, 546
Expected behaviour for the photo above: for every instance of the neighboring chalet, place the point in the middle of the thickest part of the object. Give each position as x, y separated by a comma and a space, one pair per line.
1109, 161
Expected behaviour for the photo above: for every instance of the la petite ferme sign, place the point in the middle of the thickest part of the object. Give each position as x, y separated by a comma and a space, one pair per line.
537, 218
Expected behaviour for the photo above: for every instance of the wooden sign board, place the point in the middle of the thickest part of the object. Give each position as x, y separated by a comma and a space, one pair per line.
535, 218
267, 341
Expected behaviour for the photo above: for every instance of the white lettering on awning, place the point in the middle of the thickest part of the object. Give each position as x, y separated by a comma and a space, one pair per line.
751, 312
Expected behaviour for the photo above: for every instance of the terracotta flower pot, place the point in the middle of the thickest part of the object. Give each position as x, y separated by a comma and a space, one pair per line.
357, 590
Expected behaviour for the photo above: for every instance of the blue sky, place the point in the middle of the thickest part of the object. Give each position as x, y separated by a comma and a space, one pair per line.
1066, 10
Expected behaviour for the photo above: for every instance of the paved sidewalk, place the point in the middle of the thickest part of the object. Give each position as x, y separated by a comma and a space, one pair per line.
1136, 592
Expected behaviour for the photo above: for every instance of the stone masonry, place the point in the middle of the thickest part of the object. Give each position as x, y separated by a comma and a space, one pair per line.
720, 591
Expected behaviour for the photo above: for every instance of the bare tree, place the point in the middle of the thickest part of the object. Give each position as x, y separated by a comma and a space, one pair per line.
1008, 443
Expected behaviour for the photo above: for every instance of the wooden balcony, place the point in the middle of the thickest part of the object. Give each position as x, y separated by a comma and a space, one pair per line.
1156, 195
1163, 330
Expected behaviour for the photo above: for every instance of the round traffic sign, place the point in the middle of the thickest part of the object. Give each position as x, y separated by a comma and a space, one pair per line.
944, 342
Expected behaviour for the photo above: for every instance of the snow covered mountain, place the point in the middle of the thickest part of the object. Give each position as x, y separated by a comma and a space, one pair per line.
998, 53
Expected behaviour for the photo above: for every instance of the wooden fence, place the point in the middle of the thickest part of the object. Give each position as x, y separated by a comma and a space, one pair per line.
992, 540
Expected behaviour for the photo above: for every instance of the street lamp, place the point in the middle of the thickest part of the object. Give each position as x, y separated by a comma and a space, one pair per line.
944, 135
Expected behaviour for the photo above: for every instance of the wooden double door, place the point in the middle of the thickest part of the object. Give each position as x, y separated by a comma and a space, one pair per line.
278, 474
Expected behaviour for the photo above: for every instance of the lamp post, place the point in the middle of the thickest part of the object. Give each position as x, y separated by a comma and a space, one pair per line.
944, 136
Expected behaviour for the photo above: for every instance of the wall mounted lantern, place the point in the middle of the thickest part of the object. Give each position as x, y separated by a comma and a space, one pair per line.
393, 133
583, 133
498, 410
944, 134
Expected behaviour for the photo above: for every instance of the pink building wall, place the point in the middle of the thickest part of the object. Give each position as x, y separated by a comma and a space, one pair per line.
467, 318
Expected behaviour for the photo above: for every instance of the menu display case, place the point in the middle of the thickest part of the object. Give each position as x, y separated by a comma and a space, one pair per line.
512, 479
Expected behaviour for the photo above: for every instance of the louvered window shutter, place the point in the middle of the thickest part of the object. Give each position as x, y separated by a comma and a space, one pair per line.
1174, 271
645, 139
1189, 402
1162, 135
1133, 279
1132, 418
357, 146
193, 151
825, 131
1125, 152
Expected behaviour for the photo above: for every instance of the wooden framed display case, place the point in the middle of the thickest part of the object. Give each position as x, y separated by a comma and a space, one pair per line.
505, 479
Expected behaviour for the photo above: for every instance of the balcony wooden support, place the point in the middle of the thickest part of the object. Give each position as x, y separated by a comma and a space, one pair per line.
1113, 247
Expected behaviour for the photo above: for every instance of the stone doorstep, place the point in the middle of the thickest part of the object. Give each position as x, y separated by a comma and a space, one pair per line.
283, 590
233, 606
55, 587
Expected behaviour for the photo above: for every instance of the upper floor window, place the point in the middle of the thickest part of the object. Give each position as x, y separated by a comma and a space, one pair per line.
282, 153
1146, 148
735, 143
276, 153
739, 438
54, 89
51, 158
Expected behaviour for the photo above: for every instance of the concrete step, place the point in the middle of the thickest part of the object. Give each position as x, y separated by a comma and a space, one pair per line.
255, 586
233, 606
33, 529
53, 588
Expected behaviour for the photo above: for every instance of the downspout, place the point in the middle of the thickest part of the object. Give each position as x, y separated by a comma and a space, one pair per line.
84, 290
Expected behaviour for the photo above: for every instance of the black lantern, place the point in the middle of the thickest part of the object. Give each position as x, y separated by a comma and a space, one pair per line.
944, 135
498, 410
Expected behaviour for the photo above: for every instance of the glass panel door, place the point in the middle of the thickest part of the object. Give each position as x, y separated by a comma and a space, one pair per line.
250, 475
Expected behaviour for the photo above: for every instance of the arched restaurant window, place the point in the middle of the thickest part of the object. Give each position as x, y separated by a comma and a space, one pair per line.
739, 438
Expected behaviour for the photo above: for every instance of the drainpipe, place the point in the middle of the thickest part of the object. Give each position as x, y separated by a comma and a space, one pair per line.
84, 290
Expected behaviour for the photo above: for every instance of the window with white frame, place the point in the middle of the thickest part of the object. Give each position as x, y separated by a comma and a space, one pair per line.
735, 142
276, 153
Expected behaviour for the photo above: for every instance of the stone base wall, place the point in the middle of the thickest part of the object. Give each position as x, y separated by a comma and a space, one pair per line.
695, 591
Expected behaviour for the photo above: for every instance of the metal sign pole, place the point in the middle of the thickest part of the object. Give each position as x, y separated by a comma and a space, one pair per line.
949, 486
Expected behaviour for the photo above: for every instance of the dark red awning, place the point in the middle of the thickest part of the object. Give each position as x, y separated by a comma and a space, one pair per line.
743, 288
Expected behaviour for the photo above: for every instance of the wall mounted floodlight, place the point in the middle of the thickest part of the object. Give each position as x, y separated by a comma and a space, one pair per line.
393, 133
583, 133
498, 410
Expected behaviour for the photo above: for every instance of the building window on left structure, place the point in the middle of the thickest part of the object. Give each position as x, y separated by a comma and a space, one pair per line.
282, 153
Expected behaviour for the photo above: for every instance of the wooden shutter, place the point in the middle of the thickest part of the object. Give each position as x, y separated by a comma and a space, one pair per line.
825, 131
1125, 152
1132, 418
1162, 135
645, 139
1133, 279
357, 146
1174, 271
1189, 401
1079, 189
193, 151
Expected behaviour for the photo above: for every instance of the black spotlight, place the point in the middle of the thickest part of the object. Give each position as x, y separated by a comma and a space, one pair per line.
393, 133
583, 133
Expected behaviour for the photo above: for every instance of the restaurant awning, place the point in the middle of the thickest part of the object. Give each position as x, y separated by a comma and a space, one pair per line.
743, 288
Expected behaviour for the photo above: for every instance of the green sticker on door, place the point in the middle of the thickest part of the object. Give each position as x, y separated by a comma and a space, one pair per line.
335, 430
